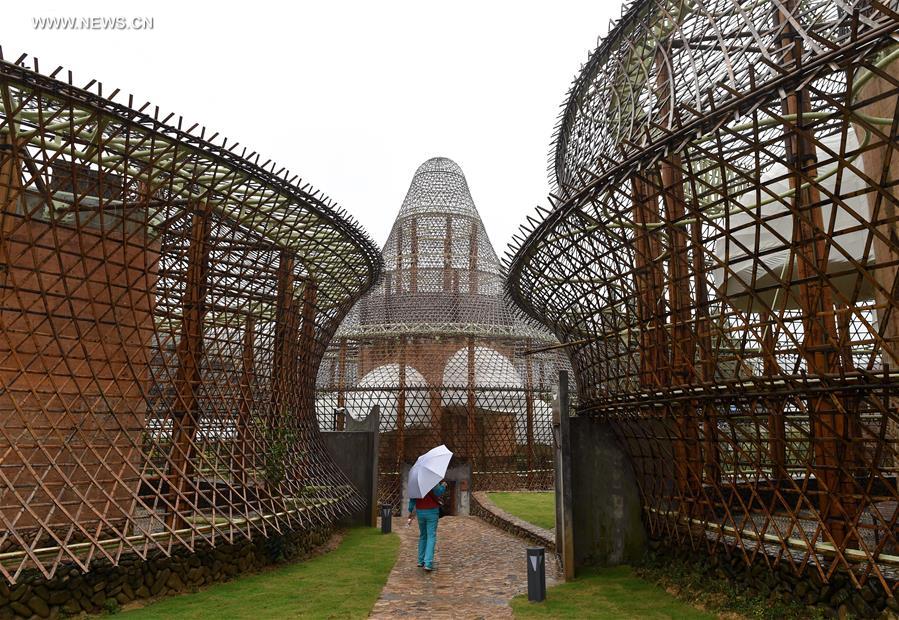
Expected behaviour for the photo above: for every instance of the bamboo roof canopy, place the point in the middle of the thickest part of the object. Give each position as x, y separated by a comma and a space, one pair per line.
720, 260
167, 299
440, 351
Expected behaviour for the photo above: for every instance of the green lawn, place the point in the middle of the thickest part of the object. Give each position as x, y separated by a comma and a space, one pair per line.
607, 593
538, 508
344, 583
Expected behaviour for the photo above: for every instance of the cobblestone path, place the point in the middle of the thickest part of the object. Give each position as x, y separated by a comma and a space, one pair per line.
479, 568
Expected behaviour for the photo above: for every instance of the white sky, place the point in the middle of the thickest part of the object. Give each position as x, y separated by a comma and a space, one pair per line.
352, 96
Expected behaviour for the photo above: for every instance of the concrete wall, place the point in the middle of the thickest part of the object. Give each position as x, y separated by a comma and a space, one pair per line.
356, 454
605, 501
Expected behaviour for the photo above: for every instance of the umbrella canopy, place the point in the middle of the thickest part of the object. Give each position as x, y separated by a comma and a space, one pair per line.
429, 469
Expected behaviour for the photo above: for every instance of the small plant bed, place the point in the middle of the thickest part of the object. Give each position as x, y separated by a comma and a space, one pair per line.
608, 593
344, 583
536, 507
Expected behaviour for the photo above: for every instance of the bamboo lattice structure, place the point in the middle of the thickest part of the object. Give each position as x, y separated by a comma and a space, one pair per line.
721, 262
166, 303
436, 347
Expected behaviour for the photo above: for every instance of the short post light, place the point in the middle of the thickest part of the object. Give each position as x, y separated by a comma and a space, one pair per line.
386, 518
536, 574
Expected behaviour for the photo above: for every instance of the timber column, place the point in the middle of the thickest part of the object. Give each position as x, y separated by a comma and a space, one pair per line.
188, 381
831, 430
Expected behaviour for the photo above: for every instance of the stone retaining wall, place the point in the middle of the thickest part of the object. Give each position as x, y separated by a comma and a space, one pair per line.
837, 598
106, 587
482, 507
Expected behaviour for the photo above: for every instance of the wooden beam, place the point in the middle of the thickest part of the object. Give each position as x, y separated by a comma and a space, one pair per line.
188, 379
705, 366
682, 364
401, 407
649, 285
10, 186
309, 349
284, 354
341, 385
827, 413
470, 408
247, 379
529, 406
777, 435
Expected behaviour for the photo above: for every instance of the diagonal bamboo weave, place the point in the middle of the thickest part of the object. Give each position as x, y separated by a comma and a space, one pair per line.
722, 260
165, 306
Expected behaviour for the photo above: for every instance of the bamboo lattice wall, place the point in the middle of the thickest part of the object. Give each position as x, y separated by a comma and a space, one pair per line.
721, 260
166, 303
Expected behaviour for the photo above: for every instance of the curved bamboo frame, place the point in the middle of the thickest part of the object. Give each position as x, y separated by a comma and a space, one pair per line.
166, 304
721, 261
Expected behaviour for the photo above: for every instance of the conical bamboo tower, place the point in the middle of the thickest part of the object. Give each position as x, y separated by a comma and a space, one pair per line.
442, 353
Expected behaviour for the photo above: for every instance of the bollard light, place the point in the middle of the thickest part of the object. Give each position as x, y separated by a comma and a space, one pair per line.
386, 518
536, 574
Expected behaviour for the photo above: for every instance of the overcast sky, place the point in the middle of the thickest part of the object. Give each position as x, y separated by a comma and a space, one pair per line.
353, 96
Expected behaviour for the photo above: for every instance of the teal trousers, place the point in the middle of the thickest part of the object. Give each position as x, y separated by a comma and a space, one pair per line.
427, 535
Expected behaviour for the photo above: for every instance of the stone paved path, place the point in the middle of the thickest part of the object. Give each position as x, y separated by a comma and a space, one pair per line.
479, 568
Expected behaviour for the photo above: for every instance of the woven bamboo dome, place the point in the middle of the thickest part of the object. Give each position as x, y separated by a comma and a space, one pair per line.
721, 261
440, 351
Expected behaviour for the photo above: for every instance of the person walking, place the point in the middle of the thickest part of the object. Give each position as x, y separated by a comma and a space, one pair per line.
427, 509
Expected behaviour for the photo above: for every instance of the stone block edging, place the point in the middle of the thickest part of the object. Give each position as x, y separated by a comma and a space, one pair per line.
106, 587
484, 508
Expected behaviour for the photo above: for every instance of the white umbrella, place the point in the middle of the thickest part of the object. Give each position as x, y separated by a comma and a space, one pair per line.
429, 469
